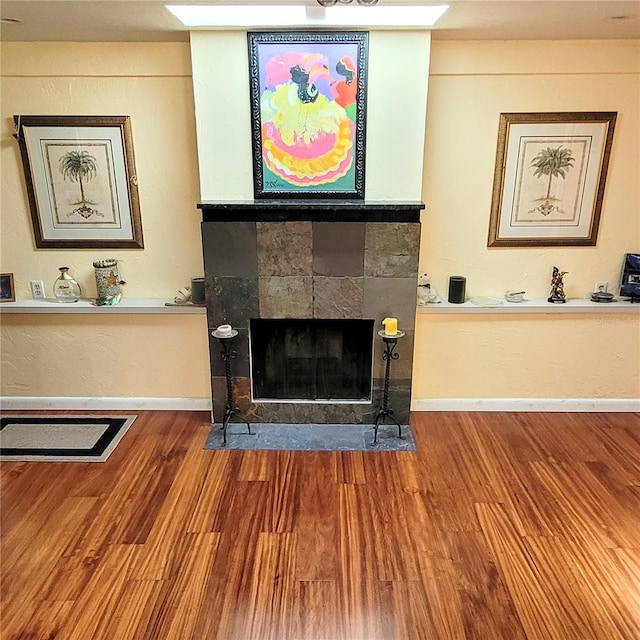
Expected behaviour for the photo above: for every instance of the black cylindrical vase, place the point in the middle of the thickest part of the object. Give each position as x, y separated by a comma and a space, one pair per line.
457, 286
197, 290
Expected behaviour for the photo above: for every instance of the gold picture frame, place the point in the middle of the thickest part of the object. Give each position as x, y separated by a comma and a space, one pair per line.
81, 181
549, 178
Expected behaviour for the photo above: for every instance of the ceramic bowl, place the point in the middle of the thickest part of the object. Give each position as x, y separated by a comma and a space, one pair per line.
514, 296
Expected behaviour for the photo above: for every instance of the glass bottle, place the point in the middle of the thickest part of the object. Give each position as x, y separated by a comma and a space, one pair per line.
65, 288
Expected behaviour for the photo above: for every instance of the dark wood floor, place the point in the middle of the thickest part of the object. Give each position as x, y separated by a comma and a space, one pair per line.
501, 526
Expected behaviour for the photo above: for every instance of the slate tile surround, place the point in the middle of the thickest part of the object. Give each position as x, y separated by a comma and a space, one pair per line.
311, 265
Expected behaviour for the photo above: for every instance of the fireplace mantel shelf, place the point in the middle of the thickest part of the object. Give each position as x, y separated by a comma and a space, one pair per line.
310, 210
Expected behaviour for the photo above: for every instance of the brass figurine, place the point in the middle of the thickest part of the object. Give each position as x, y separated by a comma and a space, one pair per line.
557, 287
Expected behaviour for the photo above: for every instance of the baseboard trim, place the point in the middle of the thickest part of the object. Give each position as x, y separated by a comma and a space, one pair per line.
590, 405
105, 404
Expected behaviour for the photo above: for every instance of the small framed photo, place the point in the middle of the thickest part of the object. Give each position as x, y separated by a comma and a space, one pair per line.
7, 290
308, 101
81, 181
549, 178
630, 280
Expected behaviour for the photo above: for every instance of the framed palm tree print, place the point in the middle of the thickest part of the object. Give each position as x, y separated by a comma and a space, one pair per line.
549, 178
308, 99
81, 181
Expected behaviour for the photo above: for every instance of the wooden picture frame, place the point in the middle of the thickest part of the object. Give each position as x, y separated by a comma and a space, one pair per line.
81, 181
549, 178
7, 288
308, 113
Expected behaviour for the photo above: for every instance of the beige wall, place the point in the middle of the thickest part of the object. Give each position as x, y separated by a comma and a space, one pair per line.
152, 84
124, 356
525, 356
396, 108
456, 357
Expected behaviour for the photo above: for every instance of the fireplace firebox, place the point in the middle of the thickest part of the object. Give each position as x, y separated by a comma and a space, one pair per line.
311, 360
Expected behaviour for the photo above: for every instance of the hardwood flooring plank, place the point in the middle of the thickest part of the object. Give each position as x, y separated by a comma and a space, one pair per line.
445, 607
516, 487
627, 563
22, 520
410, 616
281, 497
349, 467
134, 611
481, 588
589, 586
271, 588
316, 524
584, 502
159, 558
316, 612
177, 605
515, 430
44, 621
613, 435
409, 472
144, 500
256, 466
100, 599
452, 492
359, 596
561, 445
212, 477
535, 594
391, 533
226, 591
34, 575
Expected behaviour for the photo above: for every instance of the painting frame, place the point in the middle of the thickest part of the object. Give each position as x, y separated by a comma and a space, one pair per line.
293, 156
7, 288
57, 152
526, 161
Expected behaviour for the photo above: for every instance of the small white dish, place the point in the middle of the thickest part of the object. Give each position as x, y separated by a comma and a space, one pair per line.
383, 334
514, 296
486, 301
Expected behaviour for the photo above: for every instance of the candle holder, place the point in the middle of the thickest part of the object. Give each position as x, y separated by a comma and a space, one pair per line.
228, 355
390, 342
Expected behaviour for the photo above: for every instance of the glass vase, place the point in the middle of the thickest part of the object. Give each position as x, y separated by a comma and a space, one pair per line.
107, 282
65, 288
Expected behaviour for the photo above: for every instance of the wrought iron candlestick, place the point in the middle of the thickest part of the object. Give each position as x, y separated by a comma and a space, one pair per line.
388, 355
228, 355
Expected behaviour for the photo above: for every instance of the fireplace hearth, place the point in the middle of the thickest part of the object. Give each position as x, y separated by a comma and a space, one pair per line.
311, 266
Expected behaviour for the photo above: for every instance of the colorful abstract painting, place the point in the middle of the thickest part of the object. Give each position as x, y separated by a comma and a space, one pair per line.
308, 94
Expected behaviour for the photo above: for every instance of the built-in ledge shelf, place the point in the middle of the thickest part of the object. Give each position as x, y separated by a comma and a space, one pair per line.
161, 305
534, 306
126, 305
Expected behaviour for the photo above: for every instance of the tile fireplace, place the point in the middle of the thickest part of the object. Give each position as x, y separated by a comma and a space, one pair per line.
307, 284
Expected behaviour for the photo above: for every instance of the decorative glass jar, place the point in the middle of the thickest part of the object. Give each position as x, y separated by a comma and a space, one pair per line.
65, 288
107, 282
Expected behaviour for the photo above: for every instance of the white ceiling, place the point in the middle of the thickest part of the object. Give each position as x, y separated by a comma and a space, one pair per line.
149, 20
